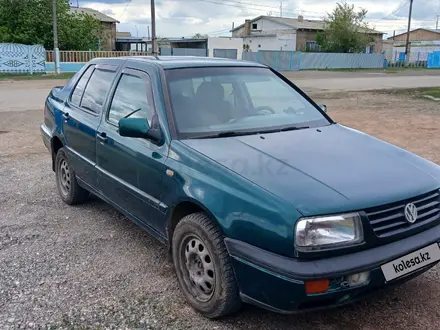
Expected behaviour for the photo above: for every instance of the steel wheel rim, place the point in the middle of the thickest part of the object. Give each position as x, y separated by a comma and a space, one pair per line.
64, 177
198, 268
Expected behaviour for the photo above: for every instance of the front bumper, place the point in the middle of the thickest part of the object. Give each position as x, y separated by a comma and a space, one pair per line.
276, 282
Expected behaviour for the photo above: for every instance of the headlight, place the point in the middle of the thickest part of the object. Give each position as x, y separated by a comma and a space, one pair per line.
328, 232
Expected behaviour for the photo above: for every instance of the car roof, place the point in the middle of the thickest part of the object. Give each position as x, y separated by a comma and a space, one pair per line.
174, 62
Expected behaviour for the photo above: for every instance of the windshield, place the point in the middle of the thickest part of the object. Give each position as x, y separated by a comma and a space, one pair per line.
239, 100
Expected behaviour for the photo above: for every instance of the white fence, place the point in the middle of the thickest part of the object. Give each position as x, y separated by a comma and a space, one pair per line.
17, 58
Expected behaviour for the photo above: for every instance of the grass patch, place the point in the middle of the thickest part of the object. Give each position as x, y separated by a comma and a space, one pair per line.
435, 92
421, 92
37, 76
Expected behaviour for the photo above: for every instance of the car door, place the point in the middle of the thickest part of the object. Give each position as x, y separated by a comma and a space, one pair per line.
130, 169
81, 118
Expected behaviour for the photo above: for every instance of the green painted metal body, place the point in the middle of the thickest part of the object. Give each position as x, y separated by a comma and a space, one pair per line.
255, 189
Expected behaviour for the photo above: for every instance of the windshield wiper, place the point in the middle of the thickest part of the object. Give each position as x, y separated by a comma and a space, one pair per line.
284, 129
238, 133
227, 134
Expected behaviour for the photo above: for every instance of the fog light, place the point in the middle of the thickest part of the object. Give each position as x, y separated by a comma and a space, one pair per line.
357, 279
320, 286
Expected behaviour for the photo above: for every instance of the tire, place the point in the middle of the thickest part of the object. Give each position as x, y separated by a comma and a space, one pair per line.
208, 282
67, 185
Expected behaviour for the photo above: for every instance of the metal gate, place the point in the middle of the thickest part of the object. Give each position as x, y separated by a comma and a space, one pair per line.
17, 58
225, 53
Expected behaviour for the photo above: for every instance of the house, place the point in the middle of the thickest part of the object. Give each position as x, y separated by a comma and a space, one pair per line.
420, 34
282, 33
126, 42
225, 47
421, 42
108, 24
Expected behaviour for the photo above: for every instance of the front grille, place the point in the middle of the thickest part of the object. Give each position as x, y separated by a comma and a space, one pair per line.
389, 220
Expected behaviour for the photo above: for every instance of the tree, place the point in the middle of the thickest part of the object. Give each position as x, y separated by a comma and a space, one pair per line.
345, 30
200, 36
30, 22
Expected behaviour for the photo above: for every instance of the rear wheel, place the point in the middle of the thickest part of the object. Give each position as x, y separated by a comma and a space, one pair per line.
203, 267
67, 185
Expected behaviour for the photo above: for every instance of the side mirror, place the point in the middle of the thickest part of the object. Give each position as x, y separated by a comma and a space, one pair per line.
138, 128
323, 107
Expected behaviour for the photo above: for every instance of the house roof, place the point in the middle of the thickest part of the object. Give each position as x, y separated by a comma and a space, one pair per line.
187, 40
294, 23
430, 30
100, 16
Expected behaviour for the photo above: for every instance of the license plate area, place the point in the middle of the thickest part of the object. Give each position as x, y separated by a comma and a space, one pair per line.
411, 262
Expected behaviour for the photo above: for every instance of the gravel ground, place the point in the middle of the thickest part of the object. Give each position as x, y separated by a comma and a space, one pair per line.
89, 267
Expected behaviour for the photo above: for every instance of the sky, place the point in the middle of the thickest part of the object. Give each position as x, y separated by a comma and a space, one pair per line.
184, 18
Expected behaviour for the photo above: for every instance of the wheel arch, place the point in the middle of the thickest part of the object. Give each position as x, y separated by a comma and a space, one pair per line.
180, 210
56, 144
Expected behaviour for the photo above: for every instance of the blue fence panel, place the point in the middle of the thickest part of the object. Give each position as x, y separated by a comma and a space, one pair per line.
189, 52
18, 58
250, 56
293, 61
267, 57
165, 51
402, 57
340, 61
433, 60
226, 53
283, 61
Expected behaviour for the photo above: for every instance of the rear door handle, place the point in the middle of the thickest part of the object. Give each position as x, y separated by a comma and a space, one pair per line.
66, 116
102, 137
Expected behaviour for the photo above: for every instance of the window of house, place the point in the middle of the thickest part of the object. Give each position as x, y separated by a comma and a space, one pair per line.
254, 26
77, 94
131, 95
312, 45
96, 90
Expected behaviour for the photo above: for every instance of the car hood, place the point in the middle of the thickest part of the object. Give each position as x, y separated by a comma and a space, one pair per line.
327, 170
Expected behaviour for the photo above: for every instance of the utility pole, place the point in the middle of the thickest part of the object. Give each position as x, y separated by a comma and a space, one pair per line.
436, 24
281, 8
55, 37
407, 33
153, 29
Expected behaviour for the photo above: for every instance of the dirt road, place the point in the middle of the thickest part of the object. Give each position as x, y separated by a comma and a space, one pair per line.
89, 267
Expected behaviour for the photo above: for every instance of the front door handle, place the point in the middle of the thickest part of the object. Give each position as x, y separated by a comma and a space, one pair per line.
66, 116
102, 137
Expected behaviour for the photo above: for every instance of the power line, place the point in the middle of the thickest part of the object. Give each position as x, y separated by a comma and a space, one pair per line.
394, 11
125, 8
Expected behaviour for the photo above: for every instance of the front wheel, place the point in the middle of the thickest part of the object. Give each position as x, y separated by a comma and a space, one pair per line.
203, 267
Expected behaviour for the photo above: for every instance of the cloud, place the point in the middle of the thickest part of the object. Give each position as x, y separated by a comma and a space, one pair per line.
109, 12
107, 2
177, 18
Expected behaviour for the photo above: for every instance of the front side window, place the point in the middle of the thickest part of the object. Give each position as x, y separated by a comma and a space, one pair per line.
131, 99
208, 101
96, 90
80, 86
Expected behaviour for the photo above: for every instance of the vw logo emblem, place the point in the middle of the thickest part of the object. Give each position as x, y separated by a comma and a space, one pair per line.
411, 213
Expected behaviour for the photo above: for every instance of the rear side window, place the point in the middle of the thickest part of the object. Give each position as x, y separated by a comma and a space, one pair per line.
80, 86
132, 98
96, 90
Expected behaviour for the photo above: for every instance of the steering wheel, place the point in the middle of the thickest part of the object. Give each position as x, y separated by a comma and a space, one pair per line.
265, 108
